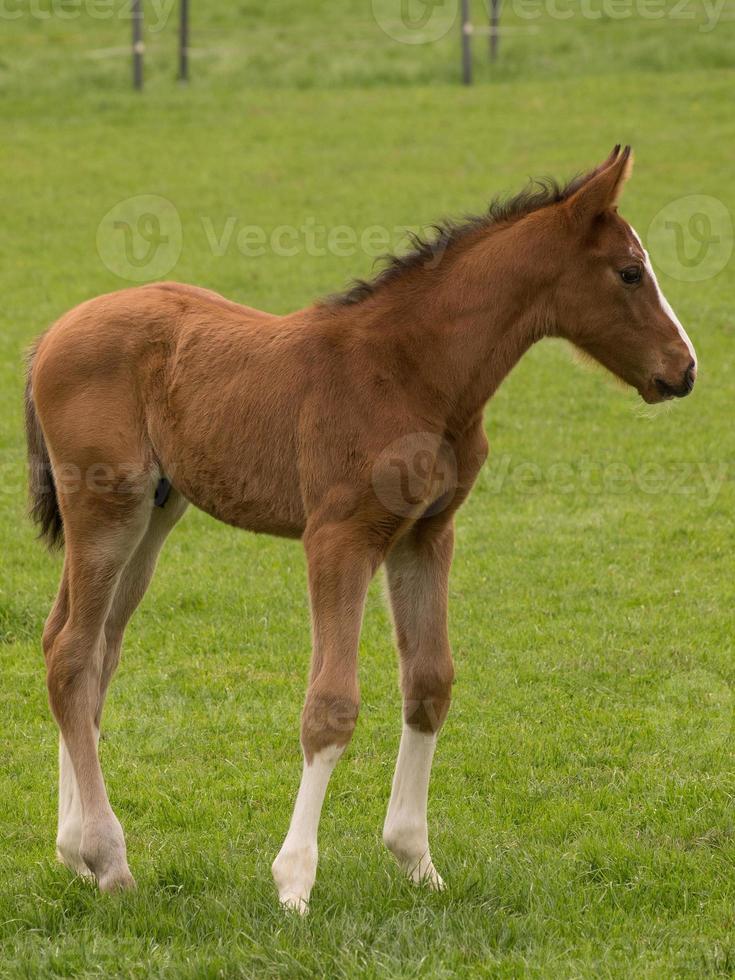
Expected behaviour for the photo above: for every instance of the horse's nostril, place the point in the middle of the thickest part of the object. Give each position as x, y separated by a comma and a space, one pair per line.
668, 390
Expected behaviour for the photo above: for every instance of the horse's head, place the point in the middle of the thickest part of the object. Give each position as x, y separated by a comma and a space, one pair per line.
608, 301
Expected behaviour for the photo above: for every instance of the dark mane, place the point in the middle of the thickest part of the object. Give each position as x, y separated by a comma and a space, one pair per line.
428, 250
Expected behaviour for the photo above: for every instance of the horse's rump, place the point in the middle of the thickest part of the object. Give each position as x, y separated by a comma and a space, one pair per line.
179, 381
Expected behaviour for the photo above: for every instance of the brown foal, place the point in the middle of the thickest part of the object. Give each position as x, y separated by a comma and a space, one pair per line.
355, 424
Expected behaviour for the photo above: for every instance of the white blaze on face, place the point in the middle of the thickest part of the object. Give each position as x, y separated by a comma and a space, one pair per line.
665, 305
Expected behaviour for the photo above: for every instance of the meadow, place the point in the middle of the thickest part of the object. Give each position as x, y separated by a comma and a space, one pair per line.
582, 798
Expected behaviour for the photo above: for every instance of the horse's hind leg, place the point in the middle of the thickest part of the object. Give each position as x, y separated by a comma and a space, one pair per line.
102, 533
134, 582
59, 612
69, 833
131, 588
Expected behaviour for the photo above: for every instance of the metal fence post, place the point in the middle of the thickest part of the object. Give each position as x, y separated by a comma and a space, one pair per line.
494, 32
466, 43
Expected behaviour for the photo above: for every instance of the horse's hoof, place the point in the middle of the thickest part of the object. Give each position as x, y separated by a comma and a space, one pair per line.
294, 903
293, 872
116, 881
432, 880
427, 877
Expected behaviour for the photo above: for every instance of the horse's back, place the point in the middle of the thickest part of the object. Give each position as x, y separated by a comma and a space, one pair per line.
230, 403
211, 297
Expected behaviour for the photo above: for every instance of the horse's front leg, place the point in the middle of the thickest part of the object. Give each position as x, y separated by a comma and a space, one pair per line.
418, 575
340, 569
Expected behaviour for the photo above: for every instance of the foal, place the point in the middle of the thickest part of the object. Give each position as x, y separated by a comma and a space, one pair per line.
355, 425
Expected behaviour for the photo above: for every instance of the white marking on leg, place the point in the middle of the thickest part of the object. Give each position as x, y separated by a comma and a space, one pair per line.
69, 834
665, 305
405, 832
294, 870
95, 847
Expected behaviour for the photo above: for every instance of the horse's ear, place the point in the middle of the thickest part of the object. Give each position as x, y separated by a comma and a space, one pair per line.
607, 163
602, 190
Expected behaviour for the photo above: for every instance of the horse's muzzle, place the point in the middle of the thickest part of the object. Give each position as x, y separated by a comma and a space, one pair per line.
668, 390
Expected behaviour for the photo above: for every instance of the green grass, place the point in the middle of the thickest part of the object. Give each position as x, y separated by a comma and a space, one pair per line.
581, 805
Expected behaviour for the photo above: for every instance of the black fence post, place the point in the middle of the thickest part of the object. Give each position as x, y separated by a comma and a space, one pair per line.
466, 43
494, 25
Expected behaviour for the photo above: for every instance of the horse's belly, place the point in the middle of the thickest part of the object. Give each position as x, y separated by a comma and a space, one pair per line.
262, 496
232, 449
262, 517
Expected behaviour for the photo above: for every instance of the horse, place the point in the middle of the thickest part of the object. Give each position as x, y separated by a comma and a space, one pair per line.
356, 425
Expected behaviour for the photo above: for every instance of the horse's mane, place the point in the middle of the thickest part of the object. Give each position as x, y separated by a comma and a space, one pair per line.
446, 234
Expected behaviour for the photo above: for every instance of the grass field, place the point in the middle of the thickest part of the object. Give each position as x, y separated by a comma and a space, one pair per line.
582, 798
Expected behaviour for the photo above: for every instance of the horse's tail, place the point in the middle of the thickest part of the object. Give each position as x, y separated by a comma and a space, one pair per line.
44, 502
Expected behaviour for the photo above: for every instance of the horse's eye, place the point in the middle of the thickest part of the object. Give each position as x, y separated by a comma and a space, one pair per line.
632, 275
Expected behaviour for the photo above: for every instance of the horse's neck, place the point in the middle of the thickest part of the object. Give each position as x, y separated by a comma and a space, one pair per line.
471, 325
485, 348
